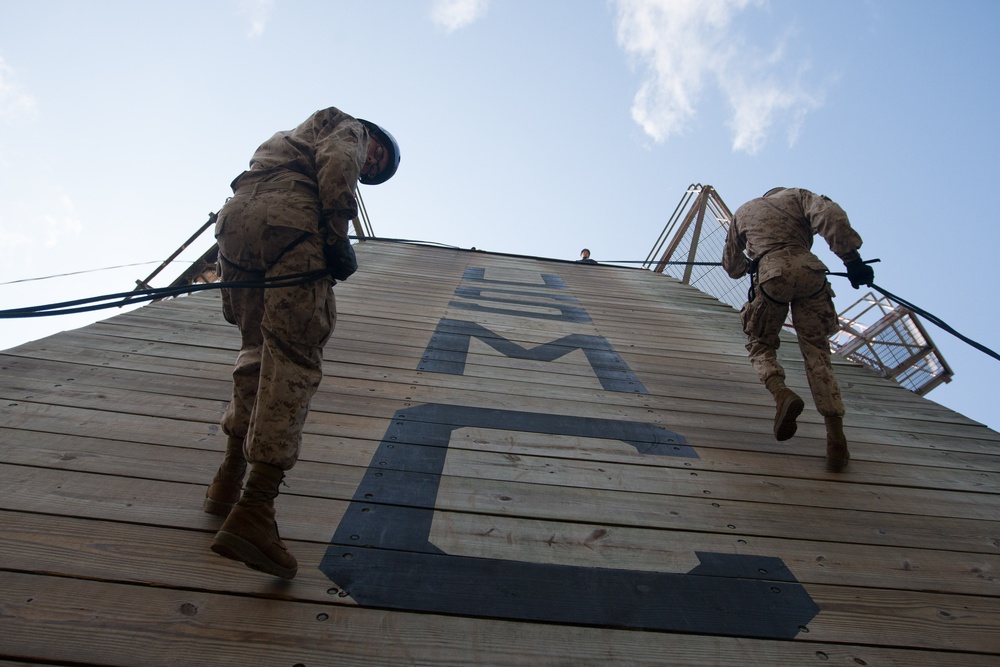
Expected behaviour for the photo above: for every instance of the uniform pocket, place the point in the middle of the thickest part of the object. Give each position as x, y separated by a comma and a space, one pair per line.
303, 315
762, 320
814, 263
750, 315
770, 270
292, 211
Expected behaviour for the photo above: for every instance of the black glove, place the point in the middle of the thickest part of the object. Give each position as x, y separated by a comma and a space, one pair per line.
340, 259
859, 273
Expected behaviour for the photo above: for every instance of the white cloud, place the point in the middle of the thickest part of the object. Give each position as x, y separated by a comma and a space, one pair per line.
15, 102
453, 15
257, 11
686, 45
756, 110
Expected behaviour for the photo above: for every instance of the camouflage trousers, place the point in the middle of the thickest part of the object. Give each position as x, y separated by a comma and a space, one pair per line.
283, 330
796, 281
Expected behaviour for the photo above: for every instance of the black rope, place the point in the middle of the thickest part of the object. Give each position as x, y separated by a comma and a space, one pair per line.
152, 294
930, 317
120, 299
643, 261
938, 321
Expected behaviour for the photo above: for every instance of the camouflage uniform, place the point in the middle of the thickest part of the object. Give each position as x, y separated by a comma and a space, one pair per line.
777, 231
298, 194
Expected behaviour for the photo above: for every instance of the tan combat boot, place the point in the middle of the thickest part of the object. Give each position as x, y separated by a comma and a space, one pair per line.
225, 489
837, 455
788, 406
250, 534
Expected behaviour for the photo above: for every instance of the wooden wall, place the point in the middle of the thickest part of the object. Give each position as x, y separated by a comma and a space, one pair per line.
510, 461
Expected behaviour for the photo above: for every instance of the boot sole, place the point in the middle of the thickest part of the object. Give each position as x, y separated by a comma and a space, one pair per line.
236, 548
784, 421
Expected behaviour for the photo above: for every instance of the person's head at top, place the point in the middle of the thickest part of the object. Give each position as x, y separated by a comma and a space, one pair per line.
382, 158
585, 254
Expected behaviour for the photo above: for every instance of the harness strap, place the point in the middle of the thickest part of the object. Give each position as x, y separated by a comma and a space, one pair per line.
755, 280
264, 186
291, 245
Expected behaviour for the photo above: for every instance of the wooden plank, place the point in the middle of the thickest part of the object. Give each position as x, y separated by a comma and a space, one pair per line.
153, 428
103, 549
109, 457
85, 621
856, 615
348, 433
312, 485
981, 433
556, 373
325, 411
492, 367
589, 544
757, 402
359, 399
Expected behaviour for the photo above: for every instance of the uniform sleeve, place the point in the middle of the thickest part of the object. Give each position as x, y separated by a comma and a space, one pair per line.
733, 259
829, 220
340, 153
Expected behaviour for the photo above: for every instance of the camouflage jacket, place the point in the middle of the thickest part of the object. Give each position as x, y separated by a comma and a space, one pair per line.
327, 150
788, 219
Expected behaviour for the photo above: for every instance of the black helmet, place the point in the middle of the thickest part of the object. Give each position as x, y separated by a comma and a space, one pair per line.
773, 191
389, 143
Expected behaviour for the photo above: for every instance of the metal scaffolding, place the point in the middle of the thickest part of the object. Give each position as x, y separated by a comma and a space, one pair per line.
698, 244
890, 340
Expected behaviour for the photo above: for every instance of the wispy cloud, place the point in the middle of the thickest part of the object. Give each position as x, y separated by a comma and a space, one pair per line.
453, 15
15, 102
684, 46
257, 11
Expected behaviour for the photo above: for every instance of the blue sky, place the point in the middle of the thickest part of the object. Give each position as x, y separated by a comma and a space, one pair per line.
526, 126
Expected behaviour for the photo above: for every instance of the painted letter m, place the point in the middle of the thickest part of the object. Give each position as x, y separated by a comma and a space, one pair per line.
449, 348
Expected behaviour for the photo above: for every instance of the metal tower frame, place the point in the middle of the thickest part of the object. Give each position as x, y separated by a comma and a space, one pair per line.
696, 234
891, 340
